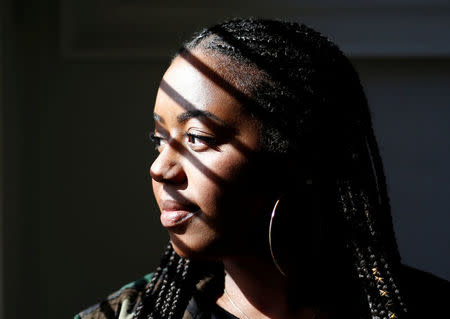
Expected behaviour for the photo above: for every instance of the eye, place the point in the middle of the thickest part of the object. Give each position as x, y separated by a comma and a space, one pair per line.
199, 142
157, 140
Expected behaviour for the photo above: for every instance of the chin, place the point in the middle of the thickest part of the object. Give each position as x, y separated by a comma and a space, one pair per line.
195, 248
180, 248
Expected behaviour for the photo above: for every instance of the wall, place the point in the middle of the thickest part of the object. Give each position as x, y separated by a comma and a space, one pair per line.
21, 35
1, 158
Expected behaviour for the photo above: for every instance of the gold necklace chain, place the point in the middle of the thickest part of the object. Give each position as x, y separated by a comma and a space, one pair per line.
234, 304
316, 313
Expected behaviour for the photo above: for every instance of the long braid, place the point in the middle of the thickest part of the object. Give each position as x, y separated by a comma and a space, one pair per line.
166, 280
182, 291
366, 208
388, 257
151, 300
372, 266
149, 291
171, 287
168, 297
385, 202
374, 158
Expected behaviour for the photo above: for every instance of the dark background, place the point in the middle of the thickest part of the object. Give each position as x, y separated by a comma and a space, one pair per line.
77, 84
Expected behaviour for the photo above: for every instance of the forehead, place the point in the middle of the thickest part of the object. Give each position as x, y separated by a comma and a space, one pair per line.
194, 81
183, 77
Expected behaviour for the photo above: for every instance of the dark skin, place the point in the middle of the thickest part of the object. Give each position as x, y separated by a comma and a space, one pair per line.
212, 203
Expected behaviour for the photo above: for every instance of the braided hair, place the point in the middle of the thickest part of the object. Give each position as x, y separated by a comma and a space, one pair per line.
313, 111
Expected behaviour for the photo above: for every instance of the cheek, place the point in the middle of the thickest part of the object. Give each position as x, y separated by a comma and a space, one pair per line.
234, 210
227, 181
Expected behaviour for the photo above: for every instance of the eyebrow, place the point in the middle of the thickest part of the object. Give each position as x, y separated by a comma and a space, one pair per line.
185, 116
190, 114
158, 118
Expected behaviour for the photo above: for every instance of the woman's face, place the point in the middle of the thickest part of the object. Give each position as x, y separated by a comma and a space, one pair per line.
205, 180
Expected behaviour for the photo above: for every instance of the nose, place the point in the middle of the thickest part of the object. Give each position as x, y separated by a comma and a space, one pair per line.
167, 167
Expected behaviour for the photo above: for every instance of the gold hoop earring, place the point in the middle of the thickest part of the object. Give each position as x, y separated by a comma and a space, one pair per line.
272, 216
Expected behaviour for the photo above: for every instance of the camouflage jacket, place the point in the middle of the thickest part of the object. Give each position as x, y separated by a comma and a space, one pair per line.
122, 303
426, 296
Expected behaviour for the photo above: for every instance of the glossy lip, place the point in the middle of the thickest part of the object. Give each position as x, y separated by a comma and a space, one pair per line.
174, 213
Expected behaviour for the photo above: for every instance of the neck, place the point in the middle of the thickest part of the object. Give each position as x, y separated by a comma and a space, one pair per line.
259, 290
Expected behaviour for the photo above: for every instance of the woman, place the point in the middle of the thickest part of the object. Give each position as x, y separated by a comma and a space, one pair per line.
270, 185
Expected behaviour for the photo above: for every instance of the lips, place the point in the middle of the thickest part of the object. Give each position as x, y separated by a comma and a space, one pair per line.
174, 213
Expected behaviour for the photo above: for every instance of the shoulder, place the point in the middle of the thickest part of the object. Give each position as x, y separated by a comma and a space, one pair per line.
119, 304
426, 295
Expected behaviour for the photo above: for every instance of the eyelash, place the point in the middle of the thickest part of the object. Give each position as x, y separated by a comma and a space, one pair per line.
155, 140
210, 141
